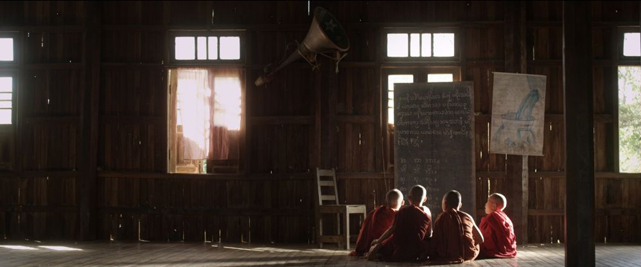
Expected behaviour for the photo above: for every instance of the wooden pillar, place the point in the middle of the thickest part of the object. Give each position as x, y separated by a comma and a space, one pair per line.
516, 61
579, 144
329, 96
316, 148
89, 123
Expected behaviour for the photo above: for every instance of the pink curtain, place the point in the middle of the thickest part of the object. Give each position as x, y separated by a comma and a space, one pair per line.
209, 108
193, 110
227, 87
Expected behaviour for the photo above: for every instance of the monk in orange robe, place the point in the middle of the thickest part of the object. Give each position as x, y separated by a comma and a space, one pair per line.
497, 230
406, 239
377, 222
456, 238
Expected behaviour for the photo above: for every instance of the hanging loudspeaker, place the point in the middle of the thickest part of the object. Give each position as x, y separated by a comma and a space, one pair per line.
325, 35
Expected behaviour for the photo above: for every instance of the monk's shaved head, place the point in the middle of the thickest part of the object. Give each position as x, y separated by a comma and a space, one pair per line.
452, 199
394, 198
499, 200
417, 194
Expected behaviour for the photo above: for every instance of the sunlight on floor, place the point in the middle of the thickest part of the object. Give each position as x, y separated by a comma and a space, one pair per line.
60, 248
18, 247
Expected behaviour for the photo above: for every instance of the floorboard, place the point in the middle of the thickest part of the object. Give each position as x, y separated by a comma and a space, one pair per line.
204, 254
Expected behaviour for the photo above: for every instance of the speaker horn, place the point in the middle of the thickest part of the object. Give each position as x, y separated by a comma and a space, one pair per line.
325, 35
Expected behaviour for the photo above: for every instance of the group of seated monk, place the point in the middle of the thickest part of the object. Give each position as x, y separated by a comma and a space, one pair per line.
394, 232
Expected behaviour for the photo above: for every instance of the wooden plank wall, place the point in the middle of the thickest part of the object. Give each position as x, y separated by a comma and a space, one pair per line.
40, 192
291, 128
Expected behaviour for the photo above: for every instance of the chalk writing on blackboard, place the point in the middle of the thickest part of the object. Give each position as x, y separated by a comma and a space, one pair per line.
434, 133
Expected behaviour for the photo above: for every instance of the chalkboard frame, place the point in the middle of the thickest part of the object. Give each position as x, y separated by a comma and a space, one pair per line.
469, 201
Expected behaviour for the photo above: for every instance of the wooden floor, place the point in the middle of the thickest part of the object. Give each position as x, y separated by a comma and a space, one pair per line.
199, 254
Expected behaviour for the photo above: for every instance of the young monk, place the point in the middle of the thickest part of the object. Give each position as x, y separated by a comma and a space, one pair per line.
406, 239
456, 238
377, 222
497, 230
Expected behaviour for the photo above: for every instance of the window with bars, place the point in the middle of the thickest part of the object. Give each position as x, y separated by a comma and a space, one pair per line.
6, 99
7, 82
206, 47
419, 45
430, 75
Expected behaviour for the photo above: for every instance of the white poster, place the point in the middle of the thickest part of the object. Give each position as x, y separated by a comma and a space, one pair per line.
518, 114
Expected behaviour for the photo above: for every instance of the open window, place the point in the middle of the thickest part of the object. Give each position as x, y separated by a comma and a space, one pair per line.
629, 104
205, 115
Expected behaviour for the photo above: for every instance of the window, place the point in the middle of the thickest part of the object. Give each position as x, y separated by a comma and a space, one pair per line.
393, 76
391, 80
630, 119
629, 91
631, 44
6, 49
6, 99
205, 114
206, 47
431, 75
440, 78
421, 45
8, 85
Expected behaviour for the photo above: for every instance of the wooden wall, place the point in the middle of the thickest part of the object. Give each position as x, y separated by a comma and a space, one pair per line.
302, 120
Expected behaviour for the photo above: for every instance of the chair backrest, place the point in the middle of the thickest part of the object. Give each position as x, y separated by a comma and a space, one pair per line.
326, 179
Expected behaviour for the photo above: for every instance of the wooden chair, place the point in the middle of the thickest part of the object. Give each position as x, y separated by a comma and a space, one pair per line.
328, 204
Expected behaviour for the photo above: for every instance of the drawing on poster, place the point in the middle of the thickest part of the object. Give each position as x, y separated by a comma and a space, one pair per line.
518, 113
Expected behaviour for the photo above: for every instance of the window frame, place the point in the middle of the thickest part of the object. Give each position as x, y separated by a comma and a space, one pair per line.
420, 30
16, 49
171, 56
242, 132
420, 76
620, 42
622, 61
12, 74
9, 130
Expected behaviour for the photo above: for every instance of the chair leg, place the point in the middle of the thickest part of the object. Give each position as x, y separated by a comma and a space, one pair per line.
346, 230
338, 228
320, 231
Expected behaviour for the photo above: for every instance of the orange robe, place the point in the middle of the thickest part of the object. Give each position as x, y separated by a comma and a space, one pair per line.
498, 232
408, 242
453, 239
375, 224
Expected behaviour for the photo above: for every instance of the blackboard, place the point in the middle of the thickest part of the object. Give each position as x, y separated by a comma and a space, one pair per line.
434, 141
